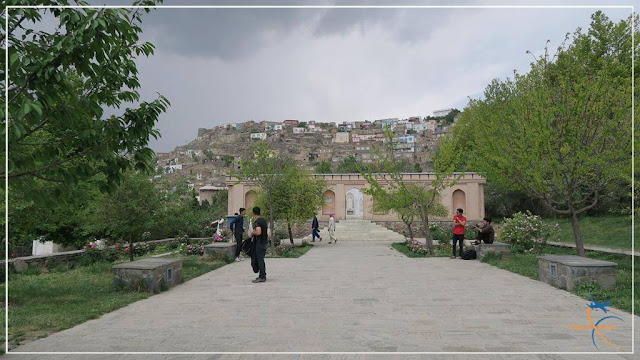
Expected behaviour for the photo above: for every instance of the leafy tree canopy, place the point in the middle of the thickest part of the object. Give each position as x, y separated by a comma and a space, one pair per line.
562, 131
69, 95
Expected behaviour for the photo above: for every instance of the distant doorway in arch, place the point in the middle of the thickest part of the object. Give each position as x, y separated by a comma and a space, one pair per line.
459, 201
329, 203
354, 205
249, 200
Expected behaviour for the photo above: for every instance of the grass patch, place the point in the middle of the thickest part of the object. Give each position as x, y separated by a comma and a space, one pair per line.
441, 250
620, 297
606, 231
44, 303
287, 251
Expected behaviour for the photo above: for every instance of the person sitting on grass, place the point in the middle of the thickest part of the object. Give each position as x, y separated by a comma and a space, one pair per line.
486, 233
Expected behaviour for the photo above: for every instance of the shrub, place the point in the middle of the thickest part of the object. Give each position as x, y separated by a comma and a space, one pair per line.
284, 250
281, 234
140, 249
193, 248
527, 232
94, 255
220, 238
417, 247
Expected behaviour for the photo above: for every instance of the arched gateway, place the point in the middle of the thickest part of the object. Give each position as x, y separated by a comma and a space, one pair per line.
344, 197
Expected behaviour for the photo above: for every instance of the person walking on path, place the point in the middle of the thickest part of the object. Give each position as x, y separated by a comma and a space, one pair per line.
332, 229
459, 223
260, 237
314, 229
237, 225
220, 223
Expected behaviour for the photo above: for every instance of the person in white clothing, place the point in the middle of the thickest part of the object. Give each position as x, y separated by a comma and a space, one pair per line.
332, 229
220, 223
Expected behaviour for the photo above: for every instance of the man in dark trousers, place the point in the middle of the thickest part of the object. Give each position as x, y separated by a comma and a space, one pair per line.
459, 227
315, 227
486, 233
237, 225
260, 237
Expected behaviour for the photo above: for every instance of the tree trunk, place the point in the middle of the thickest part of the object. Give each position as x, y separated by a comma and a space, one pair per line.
131, 250
407, 222
577, 234
427, 231
410, 230
290, 233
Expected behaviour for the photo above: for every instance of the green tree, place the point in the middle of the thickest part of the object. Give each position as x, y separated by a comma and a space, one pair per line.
324, 167
348, 165
448, 119
208, 154
417, 168
265, 170
399, 201
61, 88
127, 212
392, 192
228, 159
297, 196
561, 132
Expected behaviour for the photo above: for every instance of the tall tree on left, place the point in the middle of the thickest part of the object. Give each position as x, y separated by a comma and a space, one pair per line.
74, 107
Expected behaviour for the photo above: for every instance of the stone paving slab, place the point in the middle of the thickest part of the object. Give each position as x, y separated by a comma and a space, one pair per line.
350, 296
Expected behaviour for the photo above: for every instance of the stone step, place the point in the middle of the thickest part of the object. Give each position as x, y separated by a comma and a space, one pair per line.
360, 230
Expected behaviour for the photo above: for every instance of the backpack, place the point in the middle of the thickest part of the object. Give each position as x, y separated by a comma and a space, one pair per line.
468, 255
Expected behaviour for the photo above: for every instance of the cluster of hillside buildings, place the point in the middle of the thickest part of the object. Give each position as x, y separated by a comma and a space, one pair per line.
217, 151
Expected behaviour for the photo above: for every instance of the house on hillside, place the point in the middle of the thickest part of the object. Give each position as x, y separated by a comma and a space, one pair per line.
259, 136
291, 123
442, 112
342, 138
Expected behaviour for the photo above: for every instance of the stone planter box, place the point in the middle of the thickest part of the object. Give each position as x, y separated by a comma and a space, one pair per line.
223, 248
154, 273
497, 248
567, 271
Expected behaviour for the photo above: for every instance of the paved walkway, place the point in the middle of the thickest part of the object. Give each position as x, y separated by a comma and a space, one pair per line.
354, 296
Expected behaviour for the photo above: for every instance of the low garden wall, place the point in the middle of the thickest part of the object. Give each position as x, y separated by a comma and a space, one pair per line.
20, 264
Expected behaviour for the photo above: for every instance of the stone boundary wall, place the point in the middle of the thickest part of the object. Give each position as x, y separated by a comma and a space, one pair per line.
68, 256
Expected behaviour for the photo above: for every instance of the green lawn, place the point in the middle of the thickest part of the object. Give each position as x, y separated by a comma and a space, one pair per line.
288, 251
620, 297
606, 231
42, 304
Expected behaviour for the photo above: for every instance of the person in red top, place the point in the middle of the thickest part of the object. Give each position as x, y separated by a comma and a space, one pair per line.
459, 224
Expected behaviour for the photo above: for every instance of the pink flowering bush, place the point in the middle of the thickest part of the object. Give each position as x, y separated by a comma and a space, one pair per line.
191, 249
417, 247
527, 232
218, 238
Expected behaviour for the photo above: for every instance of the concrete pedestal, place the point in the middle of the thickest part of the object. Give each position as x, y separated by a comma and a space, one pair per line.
567, 271
504, 250
223, 248
154, 273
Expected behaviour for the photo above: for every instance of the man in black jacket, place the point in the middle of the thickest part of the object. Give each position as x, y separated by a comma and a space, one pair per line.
260, 237
237, 225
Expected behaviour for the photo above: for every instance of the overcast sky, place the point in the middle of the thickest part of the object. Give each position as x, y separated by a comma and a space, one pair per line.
233, 65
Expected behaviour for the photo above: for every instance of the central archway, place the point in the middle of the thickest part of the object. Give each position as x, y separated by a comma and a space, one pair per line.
354, 204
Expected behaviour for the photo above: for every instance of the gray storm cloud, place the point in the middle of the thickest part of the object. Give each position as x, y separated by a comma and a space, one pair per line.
231, 65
